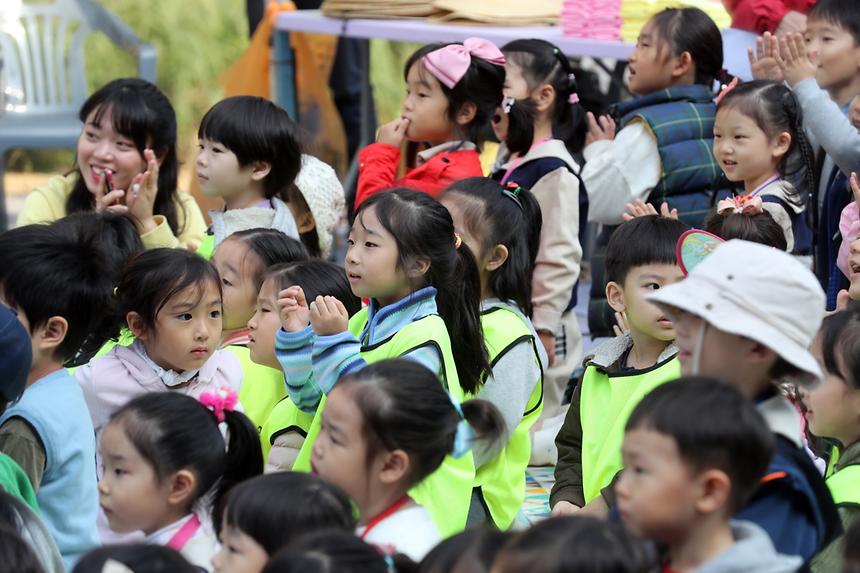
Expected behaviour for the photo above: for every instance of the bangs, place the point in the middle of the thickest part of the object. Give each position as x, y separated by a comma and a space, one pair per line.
131, 115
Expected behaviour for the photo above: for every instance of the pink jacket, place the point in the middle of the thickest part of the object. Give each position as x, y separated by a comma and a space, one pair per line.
849, 228
110, 381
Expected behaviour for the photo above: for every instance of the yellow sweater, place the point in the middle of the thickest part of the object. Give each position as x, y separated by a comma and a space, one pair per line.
48, 203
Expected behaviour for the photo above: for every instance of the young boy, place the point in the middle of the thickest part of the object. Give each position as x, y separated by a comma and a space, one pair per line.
694, 451
59, 285
747, 315
640, 258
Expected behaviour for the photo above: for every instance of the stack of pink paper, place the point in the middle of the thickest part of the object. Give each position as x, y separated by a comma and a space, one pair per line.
596, 19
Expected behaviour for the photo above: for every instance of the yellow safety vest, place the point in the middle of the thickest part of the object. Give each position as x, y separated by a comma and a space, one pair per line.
606, 401
844, 485
502, 480
447, 492
207, 246
262, 386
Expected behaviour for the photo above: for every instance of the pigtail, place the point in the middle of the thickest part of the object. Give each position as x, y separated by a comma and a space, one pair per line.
485, 419
521, 124
801, 144
244, 458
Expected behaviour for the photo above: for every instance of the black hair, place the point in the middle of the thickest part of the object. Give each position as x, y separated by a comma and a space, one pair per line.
310, 239
714, 427
172, 431
255, 129
503, 216
139, 557
46, 271
472, 550
692, 30
423, 229
647, 240
758, 228
317, 278
774, 108
840, 346
482, 85
141, 112
274, 509
520, 135
842, 13
16, 554
404, 407
581, 544
155, 276
328, 552
544, 63
272, 247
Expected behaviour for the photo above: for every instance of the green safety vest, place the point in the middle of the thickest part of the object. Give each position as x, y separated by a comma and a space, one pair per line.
844, 485
284, 418
502, 480
207, 246
606, 401
262, 386
447, 492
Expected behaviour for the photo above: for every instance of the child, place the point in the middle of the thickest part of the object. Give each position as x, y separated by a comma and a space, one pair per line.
662, 150
385, 429
249, 155
266, 513
59, 286
474, 551
171, 301
134, 558
452, 92
502, 228
640, 258
758, 135
241, 261
748, 222
831, 412
128, 139
167, 468
581, 544
747, 315
330, 552
695, 450
424, 291
539, 75
317, 204
285, 428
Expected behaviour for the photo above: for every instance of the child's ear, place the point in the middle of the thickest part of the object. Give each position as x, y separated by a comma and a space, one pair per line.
395, 467
781, 143
417, 268
714, 491
615, 296
51, 334
498, 257
544, 97
683, 66
259, 170
466, 113
136, 325
181, 487
305, 222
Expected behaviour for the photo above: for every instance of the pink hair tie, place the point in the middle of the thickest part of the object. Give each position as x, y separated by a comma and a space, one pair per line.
450, 63
573, 98
742, 205
725, 89
220, 401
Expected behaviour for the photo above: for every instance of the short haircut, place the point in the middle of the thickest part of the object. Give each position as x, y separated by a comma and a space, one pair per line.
842, 13
840, 346
47, 271
714, 427
759, 228
645, 240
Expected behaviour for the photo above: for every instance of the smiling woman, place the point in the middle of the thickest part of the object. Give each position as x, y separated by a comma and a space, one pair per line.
125, 162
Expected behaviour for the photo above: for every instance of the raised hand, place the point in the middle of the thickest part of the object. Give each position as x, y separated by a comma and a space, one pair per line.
763, 62
140, 199
599, 128
793, 60
328, 316
293, 309
393, 132
109, 200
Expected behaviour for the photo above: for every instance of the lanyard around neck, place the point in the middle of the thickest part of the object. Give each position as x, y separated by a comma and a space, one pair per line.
392, 509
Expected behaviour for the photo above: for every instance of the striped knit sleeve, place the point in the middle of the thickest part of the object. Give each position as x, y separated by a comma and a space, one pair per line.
293, 350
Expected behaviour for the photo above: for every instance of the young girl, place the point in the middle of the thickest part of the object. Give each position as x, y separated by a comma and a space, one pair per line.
284, 430
126, 162
266, 513
831, 412
171, 302
538, 75
331, 552
666, 129
503, 227
241, 260
318, 205
759, 141
452, 92
748, 221
424, 292
167, 468
134, 558
386, 428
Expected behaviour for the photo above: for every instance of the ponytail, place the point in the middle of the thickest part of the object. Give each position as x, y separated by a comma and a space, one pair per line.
243, 461
521, 124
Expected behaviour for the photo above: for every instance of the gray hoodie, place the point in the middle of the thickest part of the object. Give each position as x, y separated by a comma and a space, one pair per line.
752, 551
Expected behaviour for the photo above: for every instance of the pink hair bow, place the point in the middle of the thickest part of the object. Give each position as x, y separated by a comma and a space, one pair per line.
450, 63
740, 204
220, 401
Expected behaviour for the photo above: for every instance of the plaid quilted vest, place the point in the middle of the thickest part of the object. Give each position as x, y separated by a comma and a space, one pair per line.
682, 121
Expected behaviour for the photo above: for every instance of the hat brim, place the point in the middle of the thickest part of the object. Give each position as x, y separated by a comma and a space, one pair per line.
705, 300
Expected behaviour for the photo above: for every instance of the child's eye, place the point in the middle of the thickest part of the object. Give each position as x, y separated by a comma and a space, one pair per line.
217, 150
264, 309
119, 472
370, 245
350, 242
226, 282
740, 137
652, 286
215, 314
184, 316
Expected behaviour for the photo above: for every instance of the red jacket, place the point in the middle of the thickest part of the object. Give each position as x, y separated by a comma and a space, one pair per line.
761, 16
377, 169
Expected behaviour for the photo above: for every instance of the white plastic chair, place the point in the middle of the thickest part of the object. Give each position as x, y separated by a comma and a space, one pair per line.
42, 71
